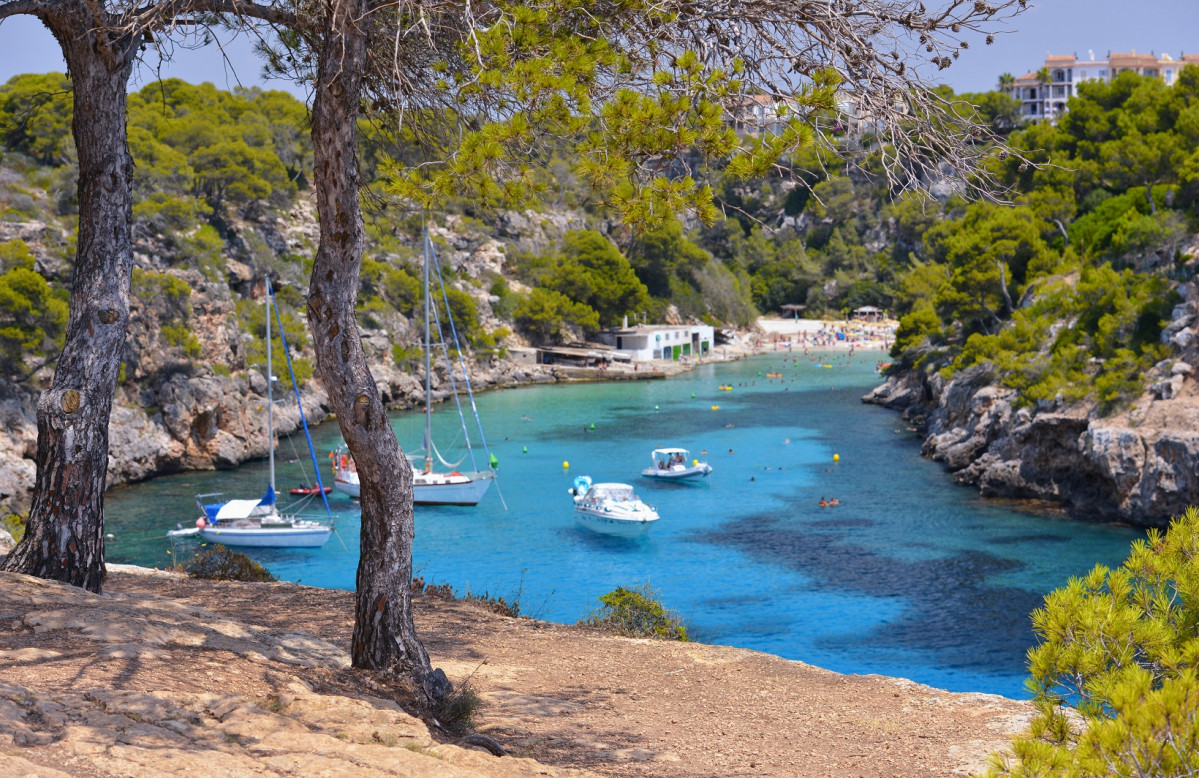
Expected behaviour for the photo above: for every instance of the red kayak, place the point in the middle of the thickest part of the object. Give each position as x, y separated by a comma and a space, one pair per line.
304, 491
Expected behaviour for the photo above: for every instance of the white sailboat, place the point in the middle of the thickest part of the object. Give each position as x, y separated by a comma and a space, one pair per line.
430, 486
257, 522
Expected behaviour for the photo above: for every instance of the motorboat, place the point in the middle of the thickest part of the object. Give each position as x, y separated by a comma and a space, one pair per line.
675, 464
257, 523
611, 509
452, 484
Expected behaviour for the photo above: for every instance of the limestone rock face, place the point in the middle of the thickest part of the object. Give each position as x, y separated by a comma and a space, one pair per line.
1141, 467
18, 447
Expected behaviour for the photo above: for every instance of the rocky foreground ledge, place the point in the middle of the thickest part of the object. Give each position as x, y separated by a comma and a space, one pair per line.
163, 674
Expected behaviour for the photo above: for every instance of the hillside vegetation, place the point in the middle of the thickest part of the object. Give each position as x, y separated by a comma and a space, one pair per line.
1062, 295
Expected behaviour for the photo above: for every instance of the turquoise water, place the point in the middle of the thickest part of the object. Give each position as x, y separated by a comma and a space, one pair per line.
909, 576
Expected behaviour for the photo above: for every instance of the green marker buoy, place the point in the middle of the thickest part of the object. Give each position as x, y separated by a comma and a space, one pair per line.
592, 425
524, 449
693, 395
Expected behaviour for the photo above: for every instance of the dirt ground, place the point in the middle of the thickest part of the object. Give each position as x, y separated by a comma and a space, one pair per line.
568, 697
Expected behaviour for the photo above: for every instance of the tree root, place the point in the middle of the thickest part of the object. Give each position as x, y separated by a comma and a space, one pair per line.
482, 741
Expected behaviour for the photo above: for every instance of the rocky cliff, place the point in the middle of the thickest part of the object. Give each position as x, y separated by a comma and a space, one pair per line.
1140, 466
177, 410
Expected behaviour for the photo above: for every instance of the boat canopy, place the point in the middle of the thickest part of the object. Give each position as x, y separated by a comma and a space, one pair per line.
242, 509
668, 452
618, 492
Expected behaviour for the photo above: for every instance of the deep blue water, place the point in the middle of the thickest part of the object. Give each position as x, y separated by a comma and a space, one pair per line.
910, 576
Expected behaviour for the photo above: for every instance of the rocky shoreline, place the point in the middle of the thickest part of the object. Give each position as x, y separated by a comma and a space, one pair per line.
1140, 467
204, 420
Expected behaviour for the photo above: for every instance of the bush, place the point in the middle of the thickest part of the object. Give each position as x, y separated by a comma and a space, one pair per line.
15, 524
637, 613
456, 711
1121, 647
220, 564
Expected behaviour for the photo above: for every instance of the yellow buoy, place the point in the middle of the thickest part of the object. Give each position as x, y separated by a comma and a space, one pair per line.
566, 465
836, 457
715, 407
694, 462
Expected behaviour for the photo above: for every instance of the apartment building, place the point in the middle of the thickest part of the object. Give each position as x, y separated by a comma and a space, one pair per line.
1044, 93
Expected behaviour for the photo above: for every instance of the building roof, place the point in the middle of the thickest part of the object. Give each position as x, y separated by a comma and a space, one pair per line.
649, 329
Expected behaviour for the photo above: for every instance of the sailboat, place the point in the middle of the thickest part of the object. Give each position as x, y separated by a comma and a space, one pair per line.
258, 522
430, 486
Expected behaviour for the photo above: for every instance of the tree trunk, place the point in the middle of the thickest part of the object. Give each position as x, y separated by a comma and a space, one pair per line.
64, 539
384, 634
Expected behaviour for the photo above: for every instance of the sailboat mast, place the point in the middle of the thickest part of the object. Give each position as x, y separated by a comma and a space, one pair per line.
270, 402
428, 365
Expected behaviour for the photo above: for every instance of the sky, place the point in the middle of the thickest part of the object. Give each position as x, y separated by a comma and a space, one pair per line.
1048, 27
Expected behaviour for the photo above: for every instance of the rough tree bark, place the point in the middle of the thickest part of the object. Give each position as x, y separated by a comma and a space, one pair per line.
64, 539
384, 636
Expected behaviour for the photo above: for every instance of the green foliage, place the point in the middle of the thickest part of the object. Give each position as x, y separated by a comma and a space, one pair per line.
398, 286
15, 254
680, 272
1121, 647
592, 272
235, 173
250, 314
406, 358
35, 116
456, 711
33, 315
161, 212
220, 564
543, 314
637, 613
201, 248
1117, 318
178, 334
915, 328
14, 523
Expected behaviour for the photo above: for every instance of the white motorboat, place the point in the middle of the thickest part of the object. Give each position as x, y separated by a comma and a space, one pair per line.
675, 464
257, 523
449, 486
611, 509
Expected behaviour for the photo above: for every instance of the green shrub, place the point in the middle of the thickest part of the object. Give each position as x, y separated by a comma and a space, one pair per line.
456, 711
178, 334
15, 524
1120, 646
637, 613
407, 358
220, 564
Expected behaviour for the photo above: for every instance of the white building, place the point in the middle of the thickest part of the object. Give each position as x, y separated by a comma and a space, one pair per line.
1043, 93
671, 342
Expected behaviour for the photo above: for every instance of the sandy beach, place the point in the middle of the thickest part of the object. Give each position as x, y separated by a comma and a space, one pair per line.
827, 333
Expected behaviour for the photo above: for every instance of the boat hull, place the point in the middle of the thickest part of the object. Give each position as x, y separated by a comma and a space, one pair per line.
678, 473
466, 489
346, 486
607, 524
267, 537
434, 488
